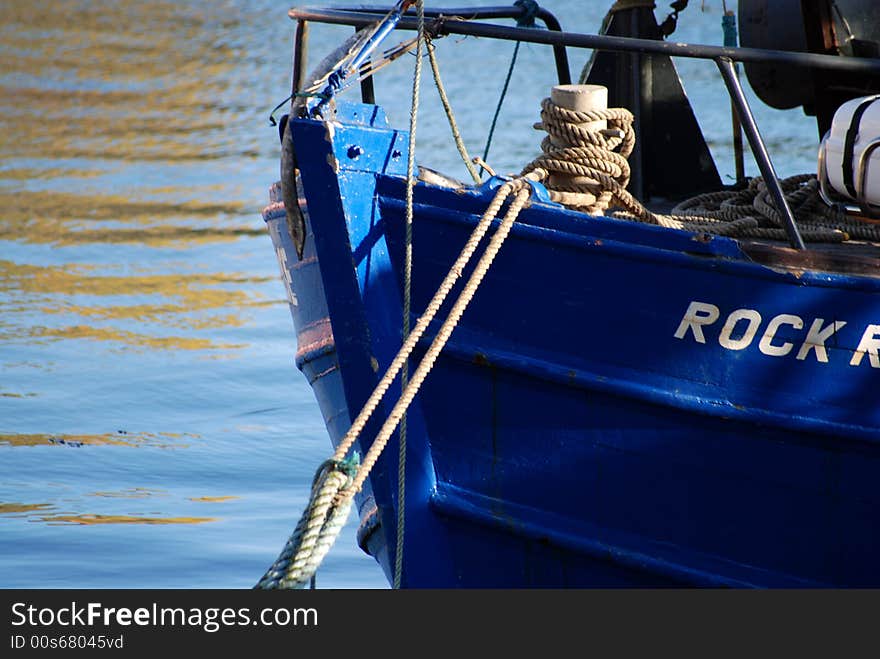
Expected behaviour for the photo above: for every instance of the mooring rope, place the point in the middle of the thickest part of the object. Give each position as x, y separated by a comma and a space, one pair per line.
303, 551
455, 272
521, 195
407, 288
318, 527
589, 172
450, 116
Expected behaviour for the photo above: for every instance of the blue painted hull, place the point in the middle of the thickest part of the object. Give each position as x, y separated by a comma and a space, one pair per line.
621, 405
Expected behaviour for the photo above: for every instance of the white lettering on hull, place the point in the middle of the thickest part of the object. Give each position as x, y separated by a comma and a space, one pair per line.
766, 344
697, 315
816, 338
752, 322
869, 344
741, 327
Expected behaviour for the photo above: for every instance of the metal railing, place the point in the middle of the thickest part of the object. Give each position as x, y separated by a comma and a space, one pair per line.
466, 22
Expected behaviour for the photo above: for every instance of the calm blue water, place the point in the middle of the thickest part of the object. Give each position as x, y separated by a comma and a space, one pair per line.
154, 431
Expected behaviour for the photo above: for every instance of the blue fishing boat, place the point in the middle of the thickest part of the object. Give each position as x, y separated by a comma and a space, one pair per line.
610, 369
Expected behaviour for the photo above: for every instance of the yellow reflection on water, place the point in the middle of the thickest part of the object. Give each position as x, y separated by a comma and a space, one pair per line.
127, 338
196, 301
87, 519
126, 132
194, 291
130, 493
22, 508
27, 173
43, 512
123, 125
119, 438
218, 499
70, 218
133, 81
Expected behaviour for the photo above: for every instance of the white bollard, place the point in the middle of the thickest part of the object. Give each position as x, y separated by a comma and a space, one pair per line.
580, 98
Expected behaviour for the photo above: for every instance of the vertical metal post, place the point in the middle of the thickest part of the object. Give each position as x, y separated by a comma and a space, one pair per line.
756, 143
739, 165
300, 55
368, 93
637, 75
560, 55
728, 26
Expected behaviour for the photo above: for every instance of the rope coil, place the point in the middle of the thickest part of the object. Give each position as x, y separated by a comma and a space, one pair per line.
588, 171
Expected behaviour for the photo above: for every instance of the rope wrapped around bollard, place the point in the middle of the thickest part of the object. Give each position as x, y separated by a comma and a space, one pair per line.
588, 171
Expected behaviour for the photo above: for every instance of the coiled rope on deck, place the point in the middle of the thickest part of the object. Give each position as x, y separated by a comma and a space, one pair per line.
588, 171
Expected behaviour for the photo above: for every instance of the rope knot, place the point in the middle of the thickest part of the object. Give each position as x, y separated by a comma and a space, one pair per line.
530, 12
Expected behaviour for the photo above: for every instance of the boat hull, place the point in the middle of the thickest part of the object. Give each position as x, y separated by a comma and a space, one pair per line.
620, 405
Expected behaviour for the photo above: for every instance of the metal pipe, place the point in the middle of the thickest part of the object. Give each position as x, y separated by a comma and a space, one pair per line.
731, 40
382, 30
736, 126
300, 55
443, 26
560, 55
638, 75
734, 88
368, 92
563, 72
